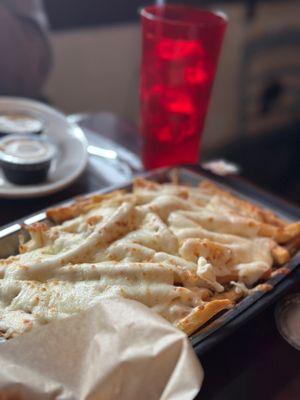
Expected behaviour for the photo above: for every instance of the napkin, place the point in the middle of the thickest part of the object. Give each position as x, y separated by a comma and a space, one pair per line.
118, 349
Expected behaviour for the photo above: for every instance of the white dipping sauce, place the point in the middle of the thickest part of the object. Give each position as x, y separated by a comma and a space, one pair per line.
19, 124
26, 149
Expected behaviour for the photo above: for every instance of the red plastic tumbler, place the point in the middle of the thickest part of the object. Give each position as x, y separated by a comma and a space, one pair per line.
180, 52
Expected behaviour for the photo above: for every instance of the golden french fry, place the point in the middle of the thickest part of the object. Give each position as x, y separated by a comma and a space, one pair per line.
140, 183
251, 209
293, 230
287, 233
280, 254
293, 245
36, 231
80, 206
202, 314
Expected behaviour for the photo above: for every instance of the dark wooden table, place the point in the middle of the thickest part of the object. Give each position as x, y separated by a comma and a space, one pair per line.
253, 363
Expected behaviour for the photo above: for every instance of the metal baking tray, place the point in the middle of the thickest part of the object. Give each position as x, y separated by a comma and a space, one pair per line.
224, 324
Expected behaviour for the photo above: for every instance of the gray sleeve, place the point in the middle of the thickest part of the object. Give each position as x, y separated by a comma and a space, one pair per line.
25, 53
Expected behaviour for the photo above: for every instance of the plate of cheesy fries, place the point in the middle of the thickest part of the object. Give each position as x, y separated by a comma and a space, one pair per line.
190, 252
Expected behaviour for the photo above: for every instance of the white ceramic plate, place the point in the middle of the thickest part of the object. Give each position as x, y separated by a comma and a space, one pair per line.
72, 155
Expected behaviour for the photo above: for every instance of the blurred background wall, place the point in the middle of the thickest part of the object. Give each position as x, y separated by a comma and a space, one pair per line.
97, 51
254, 112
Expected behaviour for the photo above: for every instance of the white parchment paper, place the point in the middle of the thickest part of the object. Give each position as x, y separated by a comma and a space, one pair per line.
119, 349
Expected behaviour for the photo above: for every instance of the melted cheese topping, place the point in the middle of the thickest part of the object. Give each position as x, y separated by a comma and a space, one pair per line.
173, 248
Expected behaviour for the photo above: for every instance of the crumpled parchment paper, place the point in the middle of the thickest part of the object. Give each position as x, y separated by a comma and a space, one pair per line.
118, 349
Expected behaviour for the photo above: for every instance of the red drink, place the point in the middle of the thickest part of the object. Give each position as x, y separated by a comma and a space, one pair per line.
181, 46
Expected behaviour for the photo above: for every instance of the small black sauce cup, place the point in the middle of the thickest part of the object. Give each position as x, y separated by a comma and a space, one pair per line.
19, 123
26, 159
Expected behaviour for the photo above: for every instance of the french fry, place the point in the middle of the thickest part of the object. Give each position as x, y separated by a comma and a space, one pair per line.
37, 232
202, 314
80, 206
292, 230
251, 209
293, 245
280, 254
140, 183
